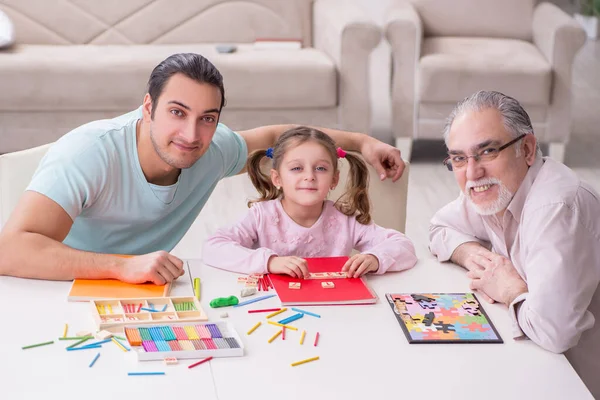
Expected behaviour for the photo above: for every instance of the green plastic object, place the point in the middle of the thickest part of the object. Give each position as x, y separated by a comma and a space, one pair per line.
224, 301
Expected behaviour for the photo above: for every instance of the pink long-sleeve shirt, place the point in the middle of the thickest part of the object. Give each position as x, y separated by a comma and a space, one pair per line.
551, 233
267, 231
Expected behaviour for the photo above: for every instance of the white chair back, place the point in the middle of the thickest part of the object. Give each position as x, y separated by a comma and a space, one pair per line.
16, 171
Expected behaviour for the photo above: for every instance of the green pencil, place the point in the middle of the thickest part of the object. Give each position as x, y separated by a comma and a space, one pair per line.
37, 345
72, 338
79, 342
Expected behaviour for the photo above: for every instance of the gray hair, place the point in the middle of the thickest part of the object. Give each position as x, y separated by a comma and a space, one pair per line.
515, 118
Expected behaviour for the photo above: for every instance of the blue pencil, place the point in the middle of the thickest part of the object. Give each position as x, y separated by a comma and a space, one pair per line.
144, 373
94, 360
149, 309
243, 303
291, 319
96, 343
96, 346
306, 312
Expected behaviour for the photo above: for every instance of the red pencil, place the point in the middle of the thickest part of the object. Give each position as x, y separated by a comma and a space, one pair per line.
264, 310
200, 362
316, 339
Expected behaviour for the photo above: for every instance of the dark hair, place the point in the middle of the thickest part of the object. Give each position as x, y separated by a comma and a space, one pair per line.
192, 65
354, 201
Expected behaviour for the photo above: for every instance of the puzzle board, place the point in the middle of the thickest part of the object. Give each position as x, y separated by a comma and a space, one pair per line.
113, 314
443, 318
190, 340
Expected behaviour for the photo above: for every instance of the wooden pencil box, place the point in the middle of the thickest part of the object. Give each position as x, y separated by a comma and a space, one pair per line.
113, 314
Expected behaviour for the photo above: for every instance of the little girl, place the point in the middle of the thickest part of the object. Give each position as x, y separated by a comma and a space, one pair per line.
292, 219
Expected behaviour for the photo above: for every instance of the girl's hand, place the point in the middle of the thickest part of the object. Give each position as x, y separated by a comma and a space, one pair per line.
295, 267
360, 264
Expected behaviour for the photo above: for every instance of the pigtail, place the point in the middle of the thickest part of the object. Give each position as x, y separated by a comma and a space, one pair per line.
355, 201
262, 182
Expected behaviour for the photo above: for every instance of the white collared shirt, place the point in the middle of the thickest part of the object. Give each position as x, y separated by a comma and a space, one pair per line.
551, 233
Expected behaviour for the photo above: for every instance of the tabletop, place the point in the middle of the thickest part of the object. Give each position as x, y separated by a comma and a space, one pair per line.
362, 349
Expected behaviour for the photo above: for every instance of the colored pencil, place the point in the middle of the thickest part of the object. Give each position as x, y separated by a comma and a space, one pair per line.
144, 373
277, 312
200, 362
275, 336
31, 346
119, 344
243, 303
94, 360
305, 361
197, 288
263, 310
95, 346
85, 339
294, 317
306, 312
286, 326
254, 327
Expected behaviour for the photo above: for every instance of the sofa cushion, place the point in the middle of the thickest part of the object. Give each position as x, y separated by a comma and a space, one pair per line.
451, 69
477, 18
105, 78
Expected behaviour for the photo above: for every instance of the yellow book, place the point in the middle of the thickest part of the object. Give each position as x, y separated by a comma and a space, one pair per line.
99, 289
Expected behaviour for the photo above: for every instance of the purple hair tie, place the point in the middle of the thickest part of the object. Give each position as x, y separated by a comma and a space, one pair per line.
269, 152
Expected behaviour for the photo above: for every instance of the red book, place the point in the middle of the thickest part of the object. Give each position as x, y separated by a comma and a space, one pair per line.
312, 292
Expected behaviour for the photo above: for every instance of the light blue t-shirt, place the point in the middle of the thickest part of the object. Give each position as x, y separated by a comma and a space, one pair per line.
94, 174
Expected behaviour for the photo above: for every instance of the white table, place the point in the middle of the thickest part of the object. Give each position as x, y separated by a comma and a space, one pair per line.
36, 311
363, 351
365, 355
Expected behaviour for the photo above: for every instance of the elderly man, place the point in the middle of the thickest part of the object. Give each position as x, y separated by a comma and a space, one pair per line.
525, 227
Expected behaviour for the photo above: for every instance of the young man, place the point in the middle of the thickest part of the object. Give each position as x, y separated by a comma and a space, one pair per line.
541, 222
134, 184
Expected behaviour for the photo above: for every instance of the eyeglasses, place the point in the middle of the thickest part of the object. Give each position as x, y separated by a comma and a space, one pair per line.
487, 154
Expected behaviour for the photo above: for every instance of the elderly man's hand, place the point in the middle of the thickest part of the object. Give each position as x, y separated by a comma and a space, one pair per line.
497, 278
384, 158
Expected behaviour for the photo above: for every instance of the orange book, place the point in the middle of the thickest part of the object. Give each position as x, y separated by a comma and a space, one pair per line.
99, 289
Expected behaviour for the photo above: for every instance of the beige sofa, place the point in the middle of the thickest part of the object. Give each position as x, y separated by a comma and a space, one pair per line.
445, 50
81, 60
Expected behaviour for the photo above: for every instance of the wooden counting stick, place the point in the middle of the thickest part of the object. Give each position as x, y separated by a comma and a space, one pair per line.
275, 336
254, 328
